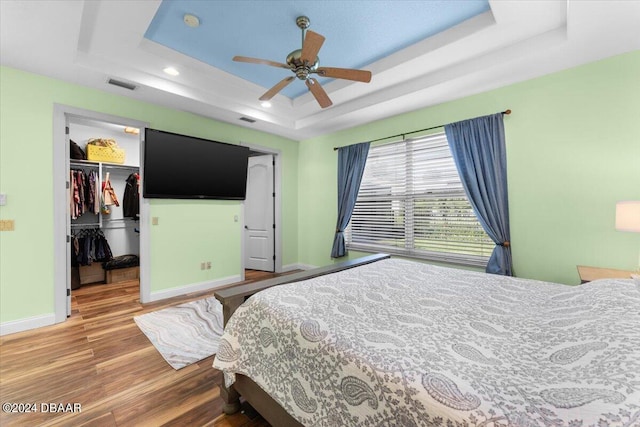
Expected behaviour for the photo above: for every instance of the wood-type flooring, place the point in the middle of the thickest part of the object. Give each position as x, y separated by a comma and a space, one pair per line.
105, 372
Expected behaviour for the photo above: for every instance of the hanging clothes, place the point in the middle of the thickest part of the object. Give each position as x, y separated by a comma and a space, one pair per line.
73, 195
89, 245
89, 193
131, 198
108, 194
96, 190
84, 192
81, 180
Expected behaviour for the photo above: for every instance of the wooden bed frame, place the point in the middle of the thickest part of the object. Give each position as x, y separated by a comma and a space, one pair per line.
231, 298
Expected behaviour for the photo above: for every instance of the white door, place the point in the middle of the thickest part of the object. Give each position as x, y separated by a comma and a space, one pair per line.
259, 215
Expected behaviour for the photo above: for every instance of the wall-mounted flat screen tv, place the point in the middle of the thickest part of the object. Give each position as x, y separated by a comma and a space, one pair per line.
185, 167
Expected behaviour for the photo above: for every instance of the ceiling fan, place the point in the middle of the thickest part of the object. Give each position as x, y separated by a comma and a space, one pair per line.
305, 62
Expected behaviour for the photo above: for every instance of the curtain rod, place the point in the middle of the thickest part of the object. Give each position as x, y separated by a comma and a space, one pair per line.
413, 131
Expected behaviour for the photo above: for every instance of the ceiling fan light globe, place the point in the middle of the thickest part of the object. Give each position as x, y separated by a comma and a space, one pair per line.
302, 73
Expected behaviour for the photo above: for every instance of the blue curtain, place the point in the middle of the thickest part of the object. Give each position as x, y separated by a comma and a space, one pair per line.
478, 149
351, 162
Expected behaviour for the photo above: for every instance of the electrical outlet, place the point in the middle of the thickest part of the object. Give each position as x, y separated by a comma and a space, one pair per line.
208, 265
202, 266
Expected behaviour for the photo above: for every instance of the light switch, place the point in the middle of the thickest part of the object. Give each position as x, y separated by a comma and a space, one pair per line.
7, 225
235, 218
154, 220
3, 199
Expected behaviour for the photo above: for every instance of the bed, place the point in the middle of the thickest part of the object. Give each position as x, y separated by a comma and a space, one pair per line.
392, 342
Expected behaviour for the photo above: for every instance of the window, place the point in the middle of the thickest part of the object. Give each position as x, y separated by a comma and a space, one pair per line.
411, 202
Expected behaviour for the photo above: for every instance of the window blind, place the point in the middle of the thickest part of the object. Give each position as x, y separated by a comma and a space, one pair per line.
411, 202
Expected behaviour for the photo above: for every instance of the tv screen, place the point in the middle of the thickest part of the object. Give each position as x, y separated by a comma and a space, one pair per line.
186, 167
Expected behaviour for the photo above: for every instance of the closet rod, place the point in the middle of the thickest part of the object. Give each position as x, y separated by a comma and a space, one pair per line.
119, 227
91, 225
109, 165
414, 131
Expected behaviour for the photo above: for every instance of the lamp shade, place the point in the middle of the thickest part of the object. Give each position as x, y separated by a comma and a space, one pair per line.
628, 216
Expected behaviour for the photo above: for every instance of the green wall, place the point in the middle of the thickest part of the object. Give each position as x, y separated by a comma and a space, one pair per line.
573, 150
188, 232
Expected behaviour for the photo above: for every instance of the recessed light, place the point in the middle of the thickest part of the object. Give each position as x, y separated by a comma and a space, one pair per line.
171, 71
266, 104
191, 20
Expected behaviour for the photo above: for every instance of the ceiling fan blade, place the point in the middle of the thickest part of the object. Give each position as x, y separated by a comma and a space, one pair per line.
260, 61
311, 46
318, 93
345, 73
277, 88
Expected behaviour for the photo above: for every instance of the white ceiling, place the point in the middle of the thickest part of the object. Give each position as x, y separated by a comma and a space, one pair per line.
88, 42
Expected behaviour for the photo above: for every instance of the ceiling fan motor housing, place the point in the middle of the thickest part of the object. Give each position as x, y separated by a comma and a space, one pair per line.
298, 66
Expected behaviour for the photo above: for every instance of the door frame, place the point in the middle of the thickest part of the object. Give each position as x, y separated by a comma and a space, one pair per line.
61, 113
277, 214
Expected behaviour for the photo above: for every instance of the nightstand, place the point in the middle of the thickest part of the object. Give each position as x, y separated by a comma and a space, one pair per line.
587, 274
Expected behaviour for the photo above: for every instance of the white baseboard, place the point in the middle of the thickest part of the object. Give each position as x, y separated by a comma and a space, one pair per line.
291, 267
193, 287
26, 324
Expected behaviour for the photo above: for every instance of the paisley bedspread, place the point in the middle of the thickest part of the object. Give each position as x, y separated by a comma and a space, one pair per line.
401, 343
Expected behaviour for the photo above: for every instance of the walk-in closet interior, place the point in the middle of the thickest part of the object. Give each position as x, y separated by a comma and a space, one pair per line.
103, 202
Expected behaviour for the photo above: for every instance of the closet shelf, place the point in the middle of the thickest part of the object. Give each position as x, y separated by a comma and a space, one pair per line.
103, 165
83, 163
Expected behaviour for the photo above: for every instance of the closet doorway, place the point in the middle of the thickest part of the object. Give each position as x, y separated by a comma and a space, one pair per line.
261, 238
89, 230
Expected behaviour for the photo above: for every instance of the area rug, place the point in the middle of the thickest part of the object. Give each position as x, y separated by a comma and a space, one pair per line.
186, 333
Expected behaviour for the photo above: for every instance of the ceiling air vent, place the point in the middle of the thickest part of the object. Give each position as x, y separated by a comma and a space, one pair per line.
122, 84
247, 119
